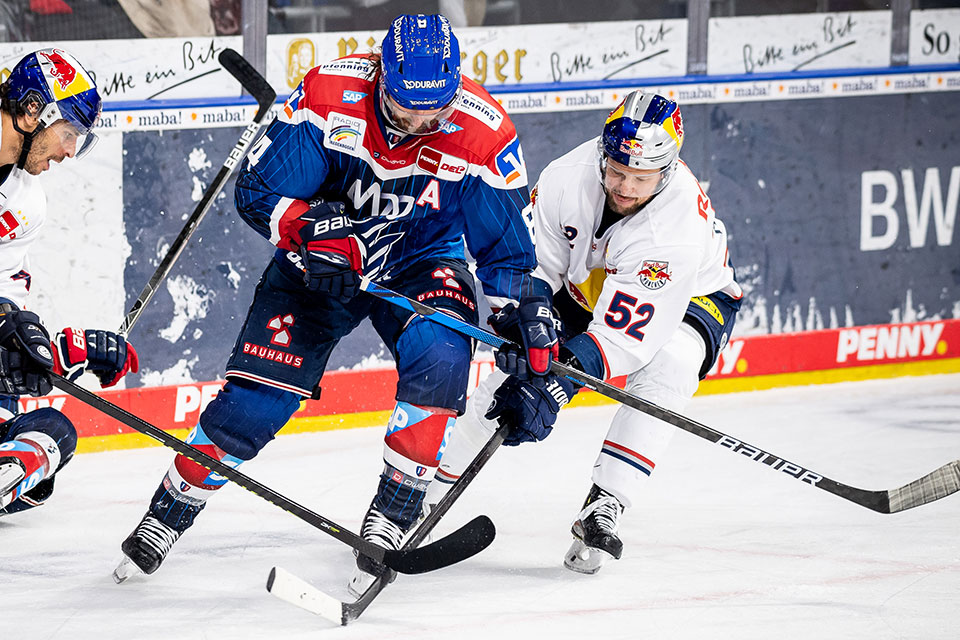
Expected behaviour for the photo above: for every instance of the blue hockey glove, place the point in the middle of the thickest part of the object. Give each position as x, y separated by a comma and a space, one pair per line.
332, 256
27, 362
534, 322
103, 353
529, 407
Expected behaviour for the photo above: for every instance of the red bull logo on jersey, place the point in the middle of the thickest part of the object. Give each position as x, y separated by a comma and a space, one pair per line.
654, 274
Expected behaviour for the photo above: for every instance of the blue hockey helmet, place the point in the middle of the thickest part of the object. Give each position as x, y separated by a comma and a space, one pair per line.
645, 131
420, 65
51, 85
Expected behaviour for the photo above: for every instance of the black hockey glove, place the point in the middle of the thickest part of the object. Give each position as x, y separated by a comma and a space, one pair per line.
20, 375
529, 407
26, 362
332, 256
534, 323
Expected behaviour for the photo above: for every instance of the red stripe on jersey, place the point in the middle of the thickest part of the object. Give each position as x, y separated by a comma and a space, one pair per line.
288, 228
644, 459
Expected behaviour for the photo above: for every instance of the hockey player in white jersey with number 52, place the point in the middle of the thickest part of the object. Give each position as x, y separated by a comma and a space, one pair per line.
628, 243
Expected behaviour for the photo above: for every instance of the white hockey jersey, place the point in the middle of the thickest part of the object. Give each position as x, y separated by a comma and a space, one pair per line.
639, 276
23, 210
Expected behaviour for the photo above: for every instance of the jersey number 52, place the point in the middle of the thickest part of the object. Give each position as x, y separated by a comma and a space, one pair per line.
625, 313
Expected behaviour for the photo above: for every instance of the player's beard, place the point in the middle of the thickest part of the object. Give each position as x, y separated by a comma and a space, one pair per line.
40, 155
625, 209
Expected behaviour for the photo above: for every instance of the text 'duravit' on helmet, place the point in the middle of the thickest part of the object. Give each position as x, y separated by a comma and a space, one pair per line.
420, 77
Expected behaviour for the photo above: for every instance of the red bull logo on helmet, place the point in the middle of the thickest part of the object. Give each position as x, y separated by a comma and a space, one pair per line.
64, 72
65, 76
632, 148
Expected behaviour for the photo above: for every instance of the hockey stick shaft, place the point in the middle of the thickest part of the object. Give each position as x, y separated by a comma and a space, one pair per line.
933, 486
264, 94
405, 561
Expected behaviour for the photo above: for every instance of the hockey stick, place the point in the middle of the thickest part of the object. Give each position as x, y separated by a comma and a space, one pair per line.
933, 486
467, 541
264, 94
298, 592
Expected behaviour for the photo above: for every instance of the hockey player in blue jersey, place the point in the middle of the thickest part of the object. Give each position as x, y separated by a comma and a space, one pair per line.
385, 163
48, 107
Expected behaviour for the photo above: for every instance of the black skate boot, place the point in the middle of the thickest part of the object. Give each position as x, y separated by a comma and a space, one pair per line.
595, 533
145, 548
381, 531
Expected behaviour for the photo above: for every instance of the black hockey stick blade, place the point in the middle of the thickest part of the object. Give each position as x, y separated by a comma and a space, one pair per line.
417, 561
350, 611
265, 96
465, 542
250, 79
288, 587
933, 486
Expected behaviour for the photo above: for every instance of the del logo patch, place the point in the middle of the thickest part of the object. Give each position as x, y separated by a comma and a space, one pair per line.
442, 165
654, 274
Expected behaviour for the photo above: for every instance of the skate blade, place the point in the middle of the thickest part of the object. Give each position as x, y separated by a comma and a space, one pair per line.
126, 569
360, 581
11, 474
584, 559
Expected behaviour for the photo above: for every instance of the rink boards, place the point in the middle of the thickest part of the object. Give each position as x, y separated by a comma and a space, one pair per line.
362, 398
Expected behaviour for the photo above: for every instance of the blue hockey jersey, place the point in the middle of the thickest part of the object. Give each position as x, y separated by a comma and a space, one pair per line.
420, 197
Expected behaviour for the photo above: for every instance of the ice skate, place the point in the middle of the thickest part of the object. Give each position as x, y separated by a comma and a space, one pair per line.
145, 548
595, 533
425, 510
381, 531
11, 474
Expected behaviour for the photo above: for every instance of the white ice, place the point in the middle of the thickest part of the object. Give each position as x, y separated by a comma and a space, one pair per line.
719, 546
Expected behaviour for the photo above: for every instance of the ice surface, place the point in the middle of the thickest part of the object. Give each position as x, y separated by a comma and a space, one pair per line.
719, 546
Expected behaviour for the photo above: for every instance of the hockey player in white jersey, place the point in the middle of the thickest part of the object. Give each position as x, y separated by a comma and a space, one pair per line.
48, 107
629, 244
